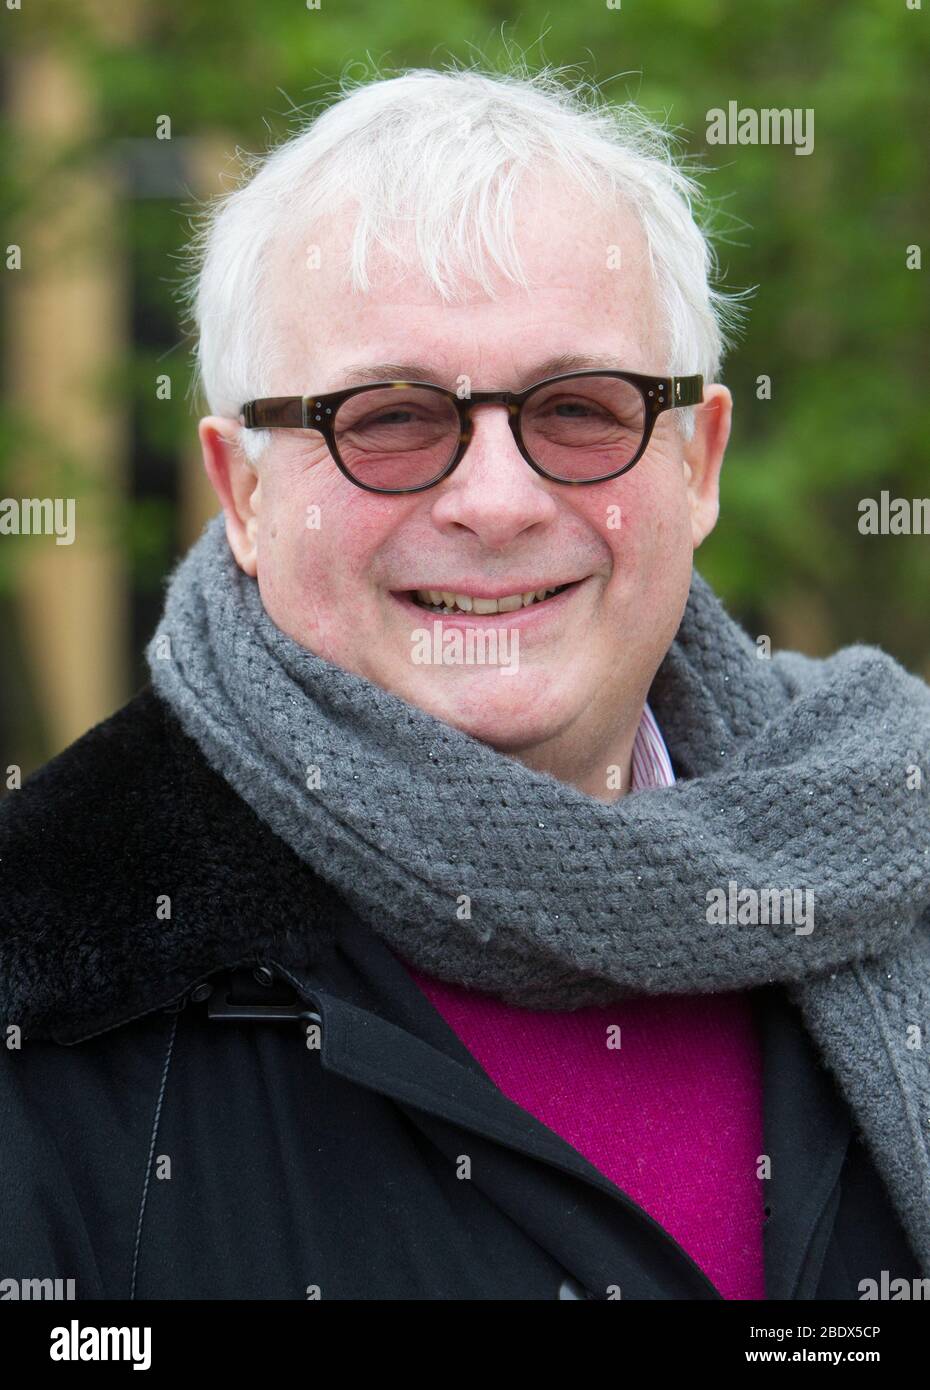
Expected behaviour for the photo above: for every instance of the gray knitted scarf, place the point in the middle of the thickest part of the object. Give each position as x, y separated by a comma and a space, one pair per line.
804, 776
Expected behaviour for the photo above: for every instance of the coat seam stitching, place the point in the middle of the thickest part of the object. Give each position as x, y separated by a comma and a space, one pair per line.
148, 1170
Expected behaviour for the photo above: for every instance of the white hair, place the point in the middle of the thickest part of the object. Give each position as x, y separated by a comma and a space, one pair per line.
443, 152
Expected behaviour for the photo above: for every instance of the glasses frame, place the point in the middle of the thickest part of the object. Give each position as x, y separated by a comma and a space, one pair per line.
318, 412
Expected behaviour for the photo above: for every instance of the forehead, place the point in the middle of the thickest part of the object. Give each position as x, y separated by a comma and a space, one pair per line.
590, 290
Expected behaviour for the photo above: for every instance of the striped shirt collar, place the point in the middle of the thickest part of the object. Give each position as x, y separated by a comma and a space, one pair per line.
651, 764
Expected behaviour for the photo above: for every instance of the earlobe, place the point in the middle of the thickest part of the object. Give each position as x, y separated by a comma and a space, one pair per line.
704, 459
237, 484
243, 537
246, 548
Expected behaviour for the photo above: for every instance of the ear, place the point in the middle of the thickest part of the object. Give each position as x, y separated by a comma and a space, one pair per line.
236, 483
703, 459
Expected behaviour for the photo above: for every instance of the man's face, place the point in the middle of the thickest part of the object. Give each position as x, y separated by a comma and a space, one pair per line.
345, 588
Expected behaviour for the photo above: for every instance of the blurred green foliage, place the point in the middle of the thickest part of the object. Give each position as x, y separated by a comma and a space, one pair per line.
837, 320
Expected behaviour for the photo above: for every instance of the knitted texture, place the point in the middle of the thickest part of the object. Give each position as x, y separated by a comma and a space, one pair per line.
797, 774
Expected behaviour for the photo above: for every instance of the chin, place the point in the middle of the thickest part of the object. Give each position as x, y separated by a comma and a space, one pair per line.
503, 711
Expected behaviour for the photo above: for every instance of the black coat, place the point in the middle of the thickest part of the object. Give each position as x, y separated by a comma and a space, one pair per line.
159, 1143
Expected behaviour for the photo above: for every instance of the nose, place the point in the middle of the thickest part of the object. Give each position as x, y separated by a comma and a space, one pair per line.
493, 493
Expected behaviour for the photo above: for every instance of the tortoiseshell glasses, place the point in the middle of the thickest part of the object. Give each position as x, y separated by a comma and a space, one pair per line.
405, 436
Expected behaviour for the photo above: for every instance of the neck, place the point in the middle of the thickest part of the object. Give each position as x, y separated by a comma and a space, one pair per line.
597, 762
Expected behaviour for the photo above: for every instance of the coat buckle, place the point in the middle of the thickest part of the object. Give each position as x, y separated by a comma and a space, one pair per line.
254, 996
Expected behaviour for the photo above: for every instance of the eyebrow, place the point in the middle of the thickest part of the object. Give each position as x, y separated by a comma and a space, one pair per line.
361, 374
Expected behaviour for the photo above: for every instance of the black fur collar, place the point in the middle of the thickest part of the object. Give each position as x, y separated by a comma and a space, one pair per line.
129, 815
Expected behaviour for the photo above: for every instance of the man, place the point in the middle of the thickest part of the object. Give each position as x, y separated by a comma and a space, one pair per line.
469, 908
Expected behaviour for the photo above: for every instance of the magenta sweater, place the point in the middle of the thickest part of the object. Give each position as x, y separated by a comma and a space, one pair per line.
673, 1116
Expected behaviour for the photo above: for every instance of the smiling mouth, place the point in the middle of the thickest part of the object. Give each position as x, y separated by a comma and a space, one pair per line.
444, 601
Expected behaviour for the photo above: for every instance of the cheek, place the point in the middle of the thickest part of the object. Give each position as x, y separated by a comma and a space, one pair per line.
294, 537
318, 537
644, 515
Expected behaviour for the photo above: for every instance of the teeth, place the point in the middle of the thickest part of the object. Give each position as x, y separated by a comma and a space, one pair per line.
447, 601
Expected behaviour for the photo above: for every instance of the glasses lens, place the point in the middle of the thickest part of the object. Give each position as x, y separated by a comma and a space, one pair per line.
585, 428
396, 436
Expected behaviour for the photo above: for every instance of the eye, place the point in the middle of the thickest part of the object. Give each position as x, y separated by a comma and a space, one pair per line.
575, 407
399, 415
